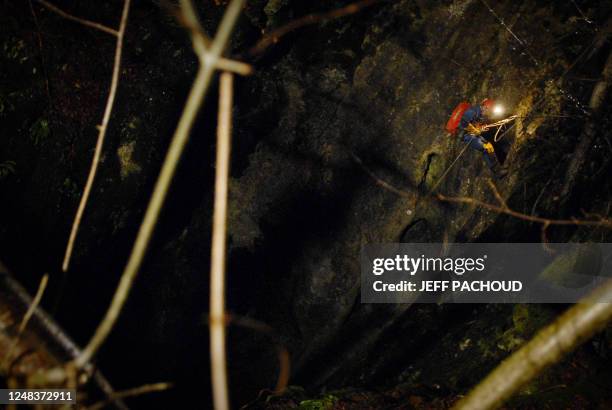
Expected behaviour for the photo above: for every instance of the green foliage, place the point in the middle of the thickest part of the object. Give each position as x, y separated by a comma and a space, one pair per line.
273, 6
526, 321
39, 131
14, 49
125, 153
326, 403
7, 168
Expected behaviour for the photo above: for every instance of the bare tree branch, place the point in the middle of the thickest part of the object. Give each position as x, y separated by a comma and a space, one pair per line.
26, 318
531, 218
82, 21
136, 391
44, 345
498, 196
194, 101
550, 345
188, 17
274, 36
501, 209
589, 132
282, 352
101, 135
380, 181
218, 360
43, 64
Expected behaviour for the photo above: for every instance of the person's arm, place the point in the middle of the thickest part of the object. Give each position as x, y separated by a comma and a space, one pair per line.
469, 121
466, 119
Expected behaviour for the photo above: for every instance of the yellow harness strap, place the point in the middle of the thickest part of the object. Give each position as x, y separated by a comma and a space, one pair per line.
474, 130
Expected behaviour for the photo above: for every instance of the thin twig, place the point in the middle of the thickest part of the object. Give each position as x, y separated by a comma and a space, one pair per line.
574, 327
584, 17
80, 20
160, 191
188, 18
218, 362
380, 181
233, 66
43, 65
543, 235
274, 36
101, 135
602, 222
26, 318
498, 196
541, 194
282, 352
136, 391
531, 218
35, 302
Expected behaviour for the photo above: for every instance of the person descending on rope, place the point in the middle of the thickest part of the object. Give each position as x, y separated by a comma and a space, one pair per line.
470, 132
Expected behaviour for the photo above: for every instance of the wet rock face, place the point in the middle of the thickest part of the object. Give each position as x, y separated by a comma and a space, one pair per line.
329, 107
408, 68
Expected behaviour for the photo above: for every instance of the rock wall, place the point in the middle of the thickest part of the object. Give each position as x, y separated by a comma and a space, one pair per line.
329, 106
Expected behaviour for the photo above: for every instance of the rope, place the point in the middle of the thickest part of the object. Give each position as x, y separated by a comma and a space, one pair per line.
499, 123
533, 108
542, 99
523, 44
484, 128
496, 133
449, 167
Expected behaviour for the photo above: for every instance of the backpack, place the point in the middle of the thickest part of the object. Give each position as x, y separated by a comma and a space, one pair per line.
455, 118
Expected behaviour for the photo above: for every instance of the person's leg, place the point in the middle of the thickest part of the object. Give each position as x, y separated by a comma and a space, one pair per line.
478, 143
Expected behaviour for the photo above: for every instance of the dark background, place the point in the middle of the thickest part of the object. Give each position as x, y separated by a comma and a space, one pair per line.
377, 85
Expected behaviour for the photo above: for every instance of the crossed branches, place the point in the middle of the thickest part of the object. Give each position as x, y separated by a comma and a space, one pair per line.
209, 54
210, 59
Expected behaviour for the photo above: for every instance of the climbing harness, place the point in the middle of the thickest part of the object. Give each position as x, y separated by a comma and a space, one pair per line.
451, 128
453, 122
474, 129
566, 94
